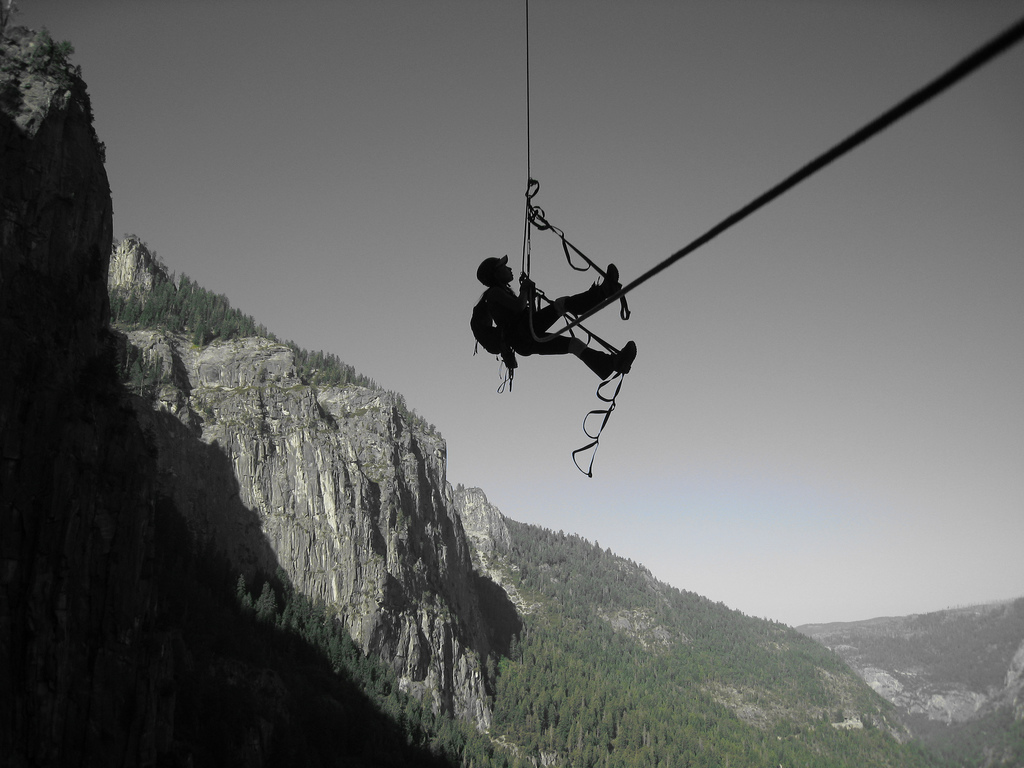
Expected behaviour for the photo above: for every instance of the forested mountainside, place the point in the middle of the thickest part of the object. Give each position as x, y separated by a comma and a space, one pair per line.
221, 550
955, 676
615, 668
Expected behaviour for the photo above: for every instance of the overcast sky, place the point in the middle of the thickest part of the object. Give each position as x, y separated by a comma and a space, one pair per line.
826, 417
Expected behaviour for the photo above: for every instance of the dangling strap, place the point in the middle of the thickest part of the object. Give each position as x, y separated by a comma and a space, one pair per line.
606, 414
506, 377
535, 215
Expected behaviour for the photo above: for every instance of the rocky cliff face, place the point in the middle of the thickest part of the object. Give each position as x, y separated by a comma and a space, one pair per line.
134, 268
334, 486
484, 525
83, 670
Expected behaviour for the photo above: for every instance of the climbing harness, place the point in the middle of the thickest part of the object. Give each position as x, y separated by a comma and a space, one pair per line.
536, 217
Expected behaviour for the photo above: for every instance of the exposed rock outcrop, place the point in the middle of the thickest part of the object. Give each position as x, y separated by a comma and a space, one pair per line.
492, 546
944, 703
483, 523
133, 267
1013, 691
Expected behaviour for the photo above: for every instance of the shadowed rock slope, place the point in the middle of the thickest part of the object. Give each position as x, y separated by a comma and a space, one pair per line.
78, 643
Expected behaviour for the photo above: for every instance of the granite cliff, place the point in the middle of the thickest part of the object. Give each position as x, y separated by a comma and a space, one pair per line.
331, 484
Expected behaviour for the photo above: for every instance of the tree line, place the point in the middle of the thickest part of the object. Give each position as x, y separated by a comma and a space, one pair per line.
184, 307
585, 692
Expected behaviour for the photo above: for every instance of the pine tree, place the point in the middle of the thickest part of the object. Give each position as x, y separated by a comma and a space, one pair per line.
266, 605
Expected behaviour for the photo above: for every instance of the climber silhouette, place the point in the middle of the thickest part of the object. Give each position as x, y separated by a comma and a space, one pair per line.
501, 320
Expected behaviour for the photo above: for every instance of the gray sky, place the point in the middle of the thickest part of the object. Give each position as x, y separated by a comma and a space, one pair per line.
826, 418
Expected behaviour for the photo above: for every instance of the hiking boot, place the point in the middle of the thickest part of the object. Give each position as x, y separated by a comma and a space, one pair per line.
611, 284
624, 359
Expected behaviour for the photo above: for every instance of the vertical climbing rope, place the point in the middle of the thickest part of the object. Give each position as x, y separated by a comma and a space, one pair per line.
529, 173
535, 217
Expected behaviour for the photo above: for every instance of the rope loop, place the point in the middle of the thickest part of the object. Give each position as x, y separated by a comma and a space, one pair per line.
506, 375
532, 188
536, 216
605, 414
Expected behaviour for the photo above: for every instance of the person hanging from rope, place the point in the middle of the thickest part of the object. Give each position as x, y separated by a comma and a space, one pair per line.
511, 315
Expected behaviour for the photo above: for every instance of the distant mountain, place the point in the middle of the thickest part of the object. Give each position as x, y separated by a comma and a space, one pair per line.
955, 676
